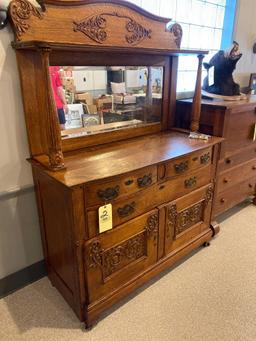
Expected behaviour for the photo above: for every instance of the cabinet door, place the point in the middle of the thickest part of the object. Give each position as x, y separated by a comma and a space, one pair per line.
83, 80
187, 218
117, 256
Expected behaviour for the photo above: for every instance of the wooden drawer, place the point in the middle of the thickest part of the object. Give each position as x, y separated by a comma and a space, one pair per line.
234, 195
185, 165
233, 176
135, 205
235, 159
187, 218
115, 257
104, 192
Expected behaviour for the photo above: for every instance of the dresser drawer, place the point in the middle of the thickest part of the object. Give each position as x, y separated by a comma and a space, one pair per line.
233, 176
185, 165
135, 205
117, 256
105, 192
235, 159
187, 218
234, 195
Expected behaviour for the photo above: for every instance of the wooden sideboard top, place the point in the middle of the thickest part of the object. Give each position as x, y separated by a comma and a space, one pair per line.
123, 157
250, 100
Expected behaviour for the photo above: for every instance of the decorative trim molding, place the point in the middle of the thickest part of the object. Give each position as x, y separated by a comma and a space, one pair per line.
95, 26
20, 11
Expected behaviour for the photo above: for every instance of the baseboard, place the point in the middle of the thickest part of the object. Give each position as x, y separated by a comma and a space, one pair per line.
22, 278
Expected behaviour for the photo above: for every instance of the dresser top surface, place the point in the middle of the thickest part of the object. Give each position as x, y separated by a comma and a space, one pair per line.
250, 100
118, 158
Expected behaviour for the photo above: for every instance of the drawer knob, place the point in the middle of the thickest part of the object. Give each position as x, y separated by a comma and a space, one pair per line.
250, 185
126, 210
181, 167
108, 193
254, 167
222, 200
145, 181
205, 159
190, 182
228, 161
226, 181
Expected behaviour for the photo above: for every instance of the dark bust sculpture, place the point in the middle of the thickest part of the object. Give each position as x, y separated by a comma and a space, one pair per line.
224, 63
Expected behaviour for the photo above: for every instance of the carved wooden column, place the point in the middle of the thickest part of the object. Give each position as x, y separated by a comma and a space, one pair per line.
56, 160
196, 106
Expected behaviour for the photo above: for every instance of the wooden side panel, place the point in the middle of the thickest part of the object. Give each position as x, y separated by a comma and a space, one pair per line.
94, 23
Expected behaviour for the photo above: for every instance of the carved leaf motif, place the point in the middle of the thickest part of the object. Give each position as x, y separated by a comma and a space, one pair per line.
94, 27
152, 224
209, 195
56, 159
189, 217
20, 11
172, 218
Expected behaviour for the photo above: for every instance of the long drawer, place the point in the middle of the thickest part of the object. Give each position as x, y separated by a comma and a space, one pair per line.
135, 205
233, 176
237, 158
100, 193
234, 195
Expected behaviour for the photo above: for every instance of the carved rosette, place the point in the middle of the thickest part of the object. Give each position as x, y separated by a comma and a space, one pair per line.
20, 11
95, 26
176, 29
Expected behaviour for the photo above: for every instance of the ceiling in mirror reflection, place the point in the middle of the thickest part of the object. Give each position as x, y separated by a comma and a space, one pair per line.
92, 100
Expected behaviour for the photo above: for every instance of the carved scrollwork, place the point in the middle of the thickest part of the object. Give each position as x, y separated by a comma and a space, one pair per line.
123, 254
152, 225
189, 217
95, 26
20, 11
209, 195
176, 29
171, 220
94, 257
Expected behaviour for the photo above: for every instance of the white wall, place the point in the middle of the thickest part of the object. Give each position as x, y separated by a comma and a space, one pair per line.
20, 243
245, 35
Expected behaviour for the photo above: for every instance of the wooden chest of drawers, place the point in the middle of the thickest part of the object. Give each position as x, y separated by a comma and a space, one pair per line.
236, 122
161, 205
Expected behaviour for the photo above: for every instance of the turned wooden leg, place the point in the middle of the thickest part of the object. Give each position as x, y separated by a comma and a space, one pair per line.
215, 227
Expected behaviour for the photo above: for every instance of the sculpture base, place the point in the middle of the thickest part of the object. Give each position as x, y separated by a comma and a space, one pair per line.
224, 98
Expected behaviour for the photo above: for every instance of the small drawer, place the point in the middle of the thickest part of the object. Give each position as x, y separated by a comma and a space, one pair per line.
135, 205
234, 176
235, 159
234, 195
185, 165
105, 192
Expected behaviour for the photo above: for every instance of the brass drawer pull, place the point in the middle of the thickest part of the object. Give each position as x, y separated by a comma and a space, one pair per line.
108, 193
126, 210
190, 182
181, 167
205, 159
145, 181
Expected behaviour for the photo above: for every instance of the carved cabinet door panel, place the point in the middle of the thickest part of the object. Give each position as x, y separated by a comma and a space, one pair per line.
115, 257
187, 218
